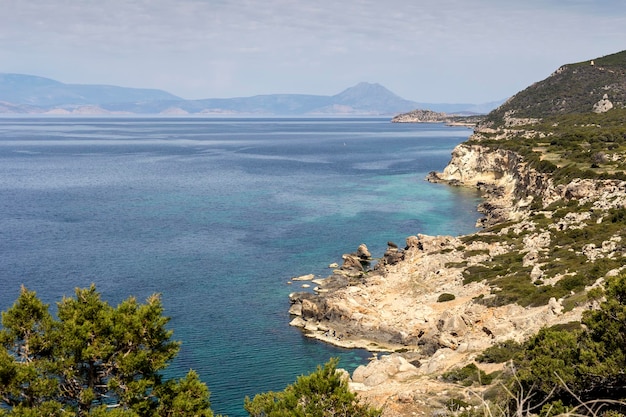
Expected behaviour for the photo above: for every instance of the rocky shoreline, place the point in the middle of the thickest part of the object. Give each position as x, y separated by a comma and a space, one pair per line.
415, 302
429, 116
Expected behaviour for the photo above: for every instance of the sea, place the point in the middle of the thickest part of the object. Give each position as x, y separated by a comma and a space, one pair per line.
217, 215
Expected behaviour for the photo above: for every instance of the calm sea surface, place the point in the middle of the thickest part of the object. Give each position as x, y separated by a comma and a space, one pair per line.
216, 215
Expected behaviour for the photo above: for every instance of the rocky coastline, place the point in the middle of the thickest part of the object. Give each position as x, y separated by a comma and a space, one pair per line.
429, 116
415, 303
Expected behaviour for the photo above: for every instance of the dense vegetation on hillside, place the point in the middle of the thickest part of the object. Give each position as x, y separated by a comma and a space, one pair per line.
573, 88
566, 269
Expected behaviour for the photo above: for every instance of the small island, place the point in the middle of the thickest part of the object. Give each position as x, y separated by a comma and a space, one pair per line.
429, 116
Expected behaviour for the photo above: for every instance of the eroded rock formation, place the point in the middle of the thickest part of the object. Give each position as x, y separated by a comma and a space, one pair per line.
396, 305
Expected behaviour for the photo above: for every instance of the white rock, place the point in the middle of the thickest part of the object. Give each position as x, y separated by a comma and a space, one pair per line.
307, 277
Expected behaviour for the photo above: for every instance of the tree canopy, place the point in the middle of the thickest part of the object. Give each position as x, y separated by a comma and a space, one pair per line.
92, 360
589, 364
322, 393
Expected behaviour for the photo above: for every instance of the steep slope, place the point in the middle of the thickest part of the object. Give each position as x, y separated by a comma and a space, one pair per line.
573, 88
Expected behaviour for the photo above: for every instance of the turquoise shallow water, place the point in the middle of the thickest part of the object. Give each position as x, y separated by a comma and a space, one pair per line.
216, 215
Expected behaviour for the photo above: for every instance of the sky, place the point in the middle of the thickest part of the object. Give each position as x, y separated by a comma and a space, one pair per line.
429, 51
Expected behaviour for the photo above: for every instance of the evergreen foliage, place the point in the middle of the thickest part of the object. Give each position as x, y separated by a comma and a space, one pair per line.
500, 352
322, 393
468, 375
445, 297
93, 360
564, 366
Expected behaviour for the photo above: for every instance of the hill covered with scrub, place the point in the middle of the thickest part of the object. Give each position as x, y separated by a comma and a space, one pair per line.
527, 315
572, 89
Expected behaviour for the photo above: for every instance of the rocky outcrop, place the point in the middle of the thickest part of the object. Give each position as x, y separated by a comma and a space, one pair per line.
429, 116
421, 116
508, 184
397, 305
603, 105
380, 371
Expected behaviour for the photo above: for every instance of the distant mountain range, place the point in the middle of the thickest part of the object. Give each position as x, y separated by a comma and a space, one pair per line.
28, 94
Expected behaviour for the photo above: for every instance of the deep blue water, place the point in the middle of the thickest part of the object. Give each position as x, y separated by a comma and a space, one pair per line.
216, 215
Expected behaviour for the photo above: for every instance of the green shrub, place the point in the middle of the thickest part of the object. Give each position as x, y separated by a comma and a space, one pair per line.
455, 404
566, 365
468, 375
500, 352
445, 297
324, 392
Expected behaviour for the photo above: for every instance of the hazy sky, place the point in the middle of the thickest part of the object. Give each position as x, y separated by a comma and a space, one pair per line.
423, 50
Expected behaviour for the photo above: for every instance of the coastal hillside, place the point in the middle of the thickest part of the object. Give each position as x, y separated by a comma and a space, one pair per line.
524, 303
593, 85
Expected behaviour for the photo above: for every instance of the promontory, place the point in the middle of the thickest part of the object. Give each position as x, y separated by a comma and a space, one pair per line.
549, 252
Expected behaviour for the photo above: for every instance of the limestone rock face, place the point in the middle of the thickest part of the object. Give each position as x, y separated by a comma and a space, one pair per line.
454, 324
309, 309
501, 175
392, 255
352, 262
380, 371
357, 261
509, 185
603, 105
394, 307
471, 165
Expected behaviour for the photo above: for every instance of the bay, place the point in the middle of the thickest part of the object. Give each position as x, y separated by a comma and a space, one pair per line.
216, 215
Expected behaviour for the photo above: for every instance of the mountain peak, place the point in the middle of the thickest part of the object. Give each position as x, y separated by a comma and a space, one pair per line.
21, 93
366, 89
368, 96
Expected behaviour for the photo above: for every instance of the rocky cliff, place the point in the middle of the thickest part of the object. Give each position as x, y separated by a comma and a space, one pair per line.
551, 163
438, 299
